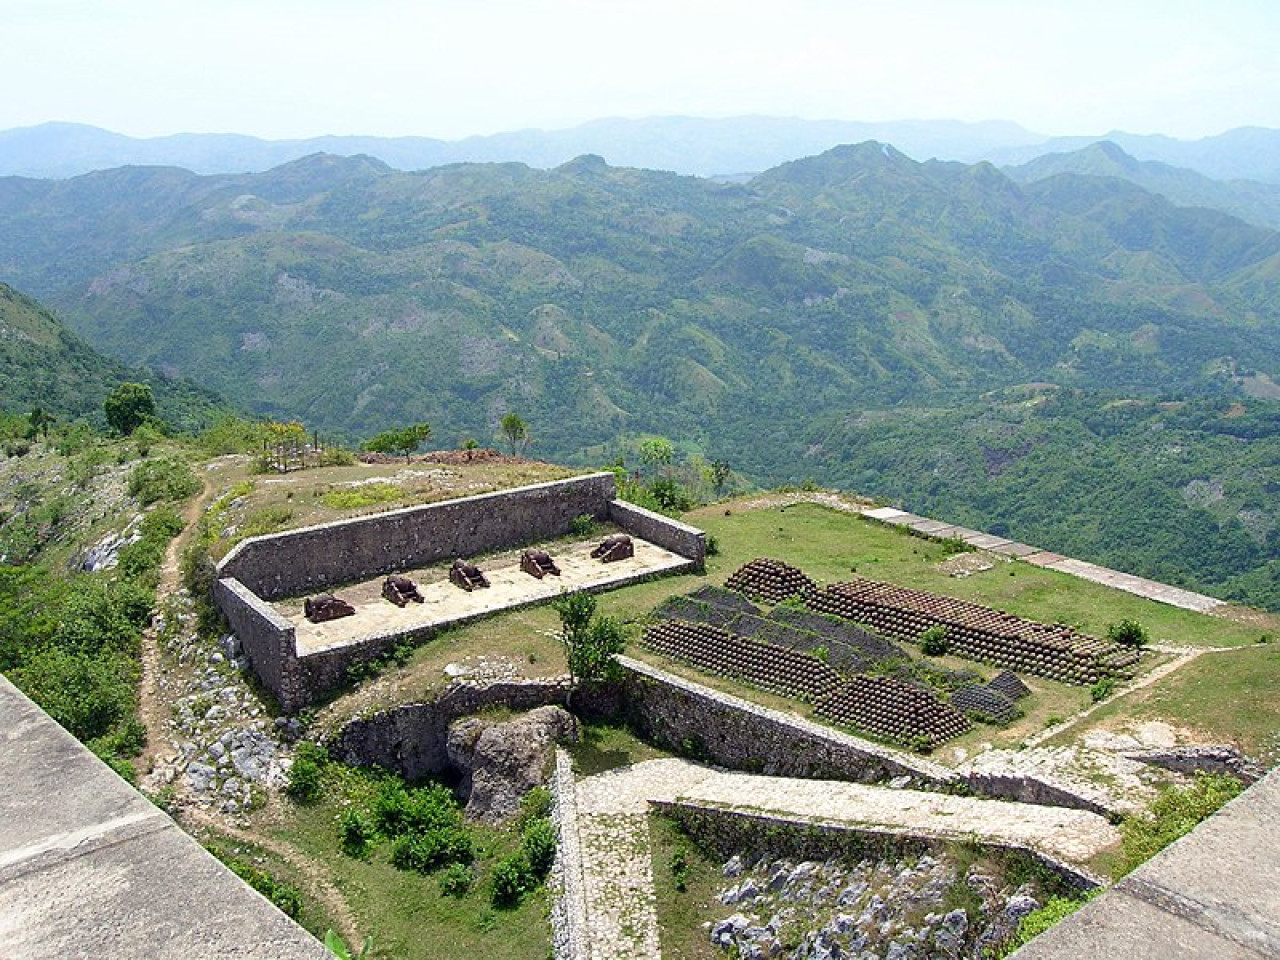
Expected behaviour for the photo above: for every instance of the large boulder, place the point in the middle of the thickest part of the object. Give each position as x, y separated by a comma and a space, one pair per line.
502, 761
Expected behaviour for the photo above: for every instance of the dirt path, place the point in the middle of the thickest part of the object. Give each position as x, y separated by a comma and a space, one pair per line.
315, 876
153, 711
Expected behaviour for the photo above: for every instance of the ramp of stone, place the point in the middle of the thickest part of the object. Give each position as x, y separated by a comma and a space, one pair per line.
90, 868
1056, 652
615, 865
777, 669
894, 709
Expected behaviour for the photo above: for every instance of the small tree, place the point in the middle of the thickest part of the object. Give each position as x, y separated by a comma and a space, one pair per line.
1127, 633
657, 452
589, 641
39, 421
128, 407
403, 441
719, 476
516, 432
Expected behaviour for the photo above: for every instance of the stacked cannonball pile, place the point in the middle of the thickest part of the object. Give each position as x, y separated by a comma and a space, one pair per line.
990, 705
1057, 652
893, 709
776, 669
1008, 684
770, 581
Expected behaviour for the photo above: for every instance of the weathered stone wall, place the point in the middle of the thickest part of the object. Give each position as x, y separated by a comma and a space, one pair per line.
729, 831
410, 739
718, 728
314, 559
679, 538
267, 639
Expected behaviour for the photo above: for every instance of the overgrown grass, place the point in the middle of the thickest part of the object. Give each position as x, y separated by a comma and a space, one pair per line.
365, 495
1226, 697
830, 546
1175, 813
444, 909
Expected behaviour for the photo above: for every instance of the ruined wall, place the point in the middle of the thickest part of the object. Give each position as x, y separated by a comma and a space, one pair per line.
715, 727
729, 831
268, 640
679, 538
410, 739
318, 558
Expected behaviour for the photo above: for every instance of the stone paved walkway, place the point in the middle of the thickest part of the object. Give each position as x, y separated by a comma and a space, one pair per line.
614, 834
1138, 586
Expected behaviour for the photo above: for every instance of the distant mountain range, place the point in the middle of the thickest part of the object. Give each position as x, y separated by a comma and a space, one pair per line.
923, 330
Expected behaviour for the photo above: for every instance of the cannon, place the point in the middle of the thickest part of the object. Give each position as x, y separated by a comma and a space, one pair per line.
467, 575
538, 563
326, 606
617, 546
400, 590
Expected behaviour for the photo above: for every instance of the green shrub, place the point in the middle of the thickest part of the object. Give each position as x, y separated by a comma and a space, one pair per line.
933, 641
534, 804
1175, 812
356, 831
954, 545
713, 546
86, 693
1127, 633
165, 479
399, 811
365, 495
431, 849
1038, 921
1102, 689
281, 894
510, 880
306, 775
583, 525
538, 843
679, 866
456, 880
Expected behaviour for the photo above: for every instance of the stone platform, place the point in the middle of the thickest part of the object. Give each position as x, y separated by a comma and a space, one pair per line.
444, 603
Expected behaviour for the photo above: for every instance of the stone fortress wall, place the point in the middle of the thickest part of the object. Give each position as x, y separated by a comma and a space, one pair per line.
319, 558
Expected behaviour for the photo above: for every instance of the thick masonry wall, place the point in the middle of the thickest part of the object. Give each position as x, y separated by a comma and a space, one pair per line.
718, 728
267, 639
314, 559
679, 538
410, 739
728, 831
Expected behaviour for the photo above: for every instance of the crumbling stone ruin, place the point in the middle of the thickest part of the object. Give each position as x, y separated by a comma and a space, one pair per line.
538, 563
326, 606
400, 591
617, 546
467, 575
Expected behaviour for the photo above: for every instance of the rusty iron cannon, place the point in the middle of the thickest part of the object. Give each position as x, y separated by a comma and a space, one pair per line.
538, 563
467, 575
617, 546
326, 606
400, 590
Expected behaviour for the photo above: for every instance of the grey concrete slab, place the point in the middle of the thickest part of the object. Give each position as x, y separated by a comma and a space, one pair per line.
905, 520
90, 869
1044, 558
887, 514
1214, 894
48, 792
935, 528
984, 541
1140, 586
1014, 549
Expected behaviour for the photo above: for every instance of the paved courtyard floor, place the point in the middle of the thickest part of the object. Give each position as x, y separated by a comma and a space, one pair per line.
445, 603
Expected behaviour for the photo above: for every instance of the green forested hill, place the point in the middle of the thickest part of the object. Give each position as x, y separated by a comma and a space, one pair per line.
43, 365
745, 321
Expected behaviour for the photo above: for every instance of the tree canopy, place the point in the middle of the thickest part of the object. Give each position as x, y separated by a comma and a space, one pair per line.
128, 407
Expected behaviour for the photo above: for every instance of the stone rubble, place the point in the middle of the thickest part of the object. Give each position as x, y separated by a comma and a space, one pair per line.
904, 908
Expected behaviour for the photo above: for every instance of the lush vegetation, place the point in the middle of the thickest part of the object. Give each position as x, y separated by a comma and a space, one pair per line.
842, 318
1174, 813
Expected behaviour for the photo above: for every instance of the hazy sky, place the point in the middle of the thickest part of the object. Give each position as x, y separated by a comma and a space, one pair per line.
449, 68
